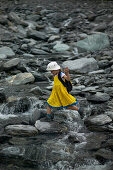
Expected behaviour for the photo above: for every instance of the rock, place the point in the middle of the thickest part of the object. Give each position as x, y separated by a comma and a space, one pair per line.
49, 127
100, 27
104, 153
103, 64
37, 114
37, 91
21, 130
7, 51
37, 35
21, 78
98, 97
59, 47
14, 17
91, 17
38, 51
96, 72
90, 89
53, 38
93, 42
16, 106
83, 65
94, 141
98, 120
12, 63
3, 56
3, 19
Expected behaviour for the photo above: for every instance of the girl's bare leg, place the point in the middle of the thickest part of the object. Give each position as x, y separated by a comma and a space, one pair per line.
48, 110
73, 108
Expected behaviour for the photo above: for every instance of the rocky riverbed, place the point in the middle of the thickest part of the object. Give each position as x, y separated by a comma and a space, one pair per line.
77, 34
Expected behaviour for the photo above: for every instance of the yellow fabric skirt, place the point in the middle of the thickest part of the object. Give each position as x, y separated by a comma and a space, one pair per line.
59, 97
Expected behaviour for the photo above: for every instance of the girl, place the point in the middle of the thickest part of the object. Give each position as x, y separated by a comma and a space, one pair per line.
59, 97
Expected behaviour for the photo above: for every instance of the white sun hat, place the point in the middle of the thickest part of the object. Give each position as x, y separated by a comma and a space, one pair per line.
53, 66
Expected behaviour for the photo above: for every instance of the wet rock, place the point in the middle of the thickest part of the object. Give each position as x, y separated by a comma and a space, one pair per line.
37, 114
21, 78
21, 130
83, 65
109, 144
99, 97
16, 106
37, 91
33, 17
104, 153
93, 42
98, 120
6, 120
49, 127
73, 139
94, 141
95, 167
7, 51
12, 63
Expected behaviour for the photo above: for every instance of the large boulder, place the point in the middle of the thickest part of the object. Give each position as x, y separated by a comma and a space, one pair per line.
83, 65
21, 78
93, 42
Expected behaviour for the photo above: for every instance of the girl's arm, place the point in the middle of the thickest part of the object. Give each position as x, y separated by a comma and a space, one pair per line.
66, 76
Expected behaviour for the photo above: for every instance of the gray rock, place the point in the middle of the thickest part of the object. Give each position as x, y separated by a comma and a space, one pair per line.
100, 27
103, 64
98, 97
49, 127
60, 47
37, 114
38, 51
16, 105
21, 78
99, 120
14, 17
37, 91
104, 153
3, 56
93, 42
96, 72
12, 63
7, 51
37, 35
83, 65
21, 130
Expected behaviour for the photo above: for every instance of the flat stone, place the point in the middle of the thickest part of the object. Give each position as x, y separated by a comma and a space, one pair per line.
21, 130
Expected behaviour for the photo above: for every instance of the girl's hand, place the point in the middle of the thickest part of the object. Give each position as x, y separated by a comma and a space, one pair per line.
66, 70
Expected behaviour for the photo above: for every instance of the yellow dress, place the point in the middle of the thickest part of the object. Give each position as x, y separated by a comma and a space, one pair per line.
59, 97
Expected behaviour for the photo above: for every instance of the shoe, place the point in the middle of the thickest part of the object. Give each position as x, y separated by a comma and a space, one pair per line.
49, 117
